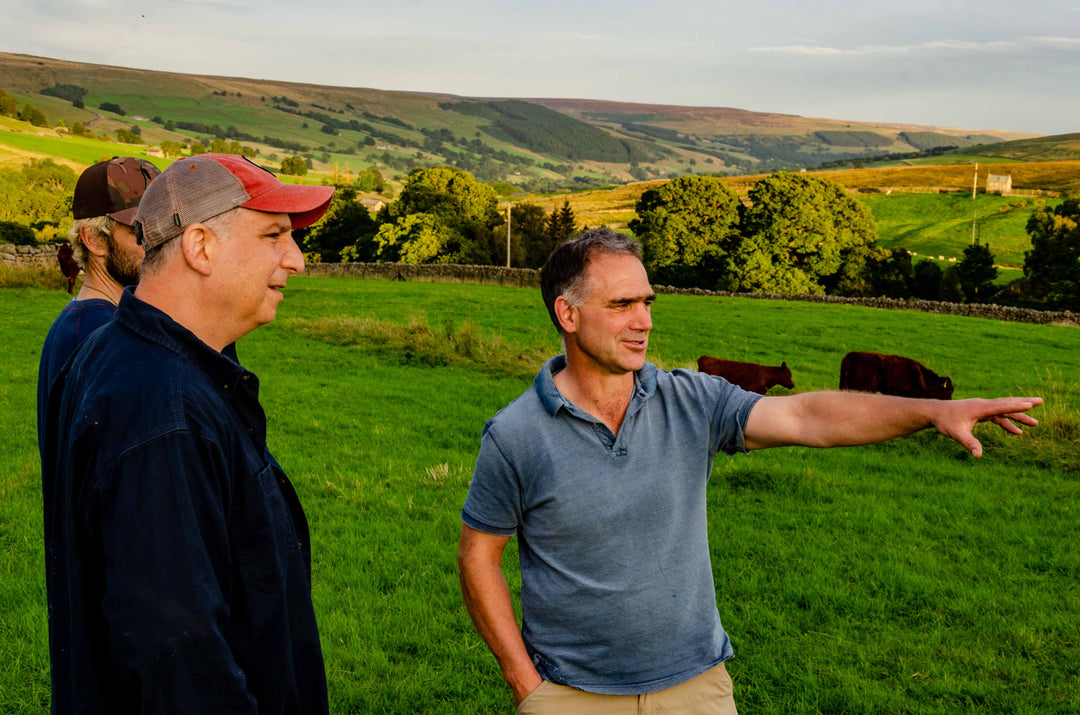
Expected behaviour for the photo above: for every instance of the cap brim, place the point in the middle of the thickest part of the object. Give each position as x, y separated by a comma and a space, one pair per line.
304, 204
126, 217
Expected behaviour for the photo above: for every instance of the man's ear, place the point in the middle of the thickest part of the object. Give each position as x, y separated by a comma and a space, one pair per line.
95, 242
198, 244
566, 314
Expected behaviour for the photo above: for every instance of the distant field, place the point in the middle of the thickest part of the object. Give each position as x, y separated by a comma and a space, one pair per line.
935, 225
901, 578
1043, 176
939, 160
79, 149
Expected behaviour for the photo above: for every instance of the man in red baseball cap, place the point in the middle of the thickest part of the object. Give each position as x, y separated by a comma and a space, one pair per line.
178, 563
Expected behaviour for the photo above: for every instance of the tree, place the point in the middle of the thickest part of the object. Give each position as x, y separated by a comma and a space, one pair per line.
38, 195
35, 116
561, 225
464, 210
873, 271
111, 107
796, 233
346, 223
1053, 263
170, 148
371, 179
294, 166
125, 136
9, 106
976, 272
448, 192
926, 281
20, 235
415, 238
686, 227
197, 147
951, 291
71, 92
530, 242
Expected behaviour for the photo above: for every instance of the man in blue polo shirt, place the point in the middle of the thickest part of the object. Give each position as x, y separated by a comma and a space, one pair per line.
600, 469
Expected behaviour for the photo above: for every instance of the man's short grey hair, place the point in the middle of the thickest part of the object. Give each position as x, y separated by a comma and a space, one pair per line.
97, 226
564, 272
162, 253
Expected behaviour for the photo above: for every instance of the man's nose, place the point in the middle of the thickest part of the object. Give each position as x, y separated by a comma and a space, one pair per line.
292, 259
642, 317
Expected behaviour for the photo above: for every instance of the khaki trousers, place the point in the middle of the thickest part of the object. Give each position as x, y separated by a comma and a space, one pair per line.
708, 694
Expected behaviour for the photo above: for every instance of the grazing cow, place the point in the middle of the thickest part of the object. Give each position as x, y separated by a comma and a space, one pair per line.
892, 375
747, 375
68, 266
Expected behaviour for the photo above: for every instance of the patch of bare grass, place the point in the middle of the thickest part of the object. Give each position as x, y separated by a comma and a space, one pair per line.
417, 342
47, 277
1055, 442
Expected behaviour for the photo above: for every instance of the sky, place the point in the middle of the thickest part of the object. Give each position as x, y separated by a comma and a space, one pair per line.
973, 65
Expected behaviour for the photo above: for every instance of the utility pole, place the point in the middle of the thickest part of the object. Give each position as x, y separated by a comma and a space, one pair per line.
508, 235
974, 211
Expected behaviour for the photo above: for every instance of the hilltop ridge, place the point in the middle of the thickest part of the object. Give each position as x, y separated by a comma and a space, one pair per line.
535, 144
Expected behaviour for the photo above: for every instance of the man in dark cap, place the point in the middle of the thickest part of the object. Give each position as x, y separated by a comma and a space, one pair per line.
103, 244
177, 555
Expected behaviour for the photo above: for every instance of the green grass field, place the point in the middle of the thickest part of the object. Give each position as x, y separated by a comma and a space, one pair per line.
899, 578
935, 225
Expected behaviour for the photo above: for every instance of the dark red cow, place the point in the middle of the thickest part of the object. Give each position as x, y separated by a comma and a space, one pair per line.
892, 375
68, 266
747, 375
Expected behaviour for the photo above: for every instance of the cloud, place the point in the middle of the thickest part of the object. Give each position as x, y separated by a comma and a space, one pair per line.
993, 47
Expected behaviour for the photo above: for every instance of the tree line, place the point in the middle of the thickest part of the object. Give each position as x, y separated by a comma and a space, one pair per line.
443, 215
795, 234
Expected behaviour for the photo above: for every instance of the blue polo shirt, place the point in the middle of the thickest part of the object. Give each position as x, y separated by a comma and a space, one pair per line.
617, 592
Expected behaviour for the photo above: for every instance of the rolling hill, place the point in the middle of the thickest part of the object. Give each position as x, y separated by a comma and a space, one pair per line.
534, 144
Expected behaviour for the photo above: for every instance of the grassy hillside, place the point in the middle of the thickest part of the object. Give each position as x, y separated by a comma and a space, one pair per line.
590, 144
905, 577
935, 226
1061, 147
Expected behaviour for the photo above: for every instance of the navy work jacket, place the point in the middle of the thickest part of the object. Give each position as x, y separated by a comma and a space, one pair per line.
177, 560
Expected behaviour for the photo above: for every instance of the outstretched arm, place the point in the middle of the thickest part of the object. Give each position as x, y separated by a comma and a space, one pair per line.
839, 419
487, 598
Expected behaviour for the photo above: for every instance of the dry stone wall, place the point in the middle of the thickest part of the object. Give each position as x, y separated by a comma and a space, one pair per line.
12, 255
435, 273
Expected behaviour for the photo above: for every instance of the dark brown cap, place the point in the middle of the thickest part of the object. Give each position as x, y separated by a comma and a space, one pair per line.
113, 188
196, 188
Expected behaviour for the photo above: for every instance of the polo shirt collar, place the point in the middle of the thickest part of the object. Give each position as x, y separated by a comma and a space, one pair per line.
552, 399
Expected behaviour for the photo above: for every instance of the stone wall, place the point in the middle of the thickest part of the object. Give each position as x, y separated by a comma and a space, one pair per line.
530, 278
972, 310
12, 255
436, 273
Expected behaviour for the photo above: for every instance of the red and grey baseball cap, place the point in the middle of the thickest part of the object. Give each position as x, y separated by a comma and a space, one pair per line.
197, 188
113, 188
